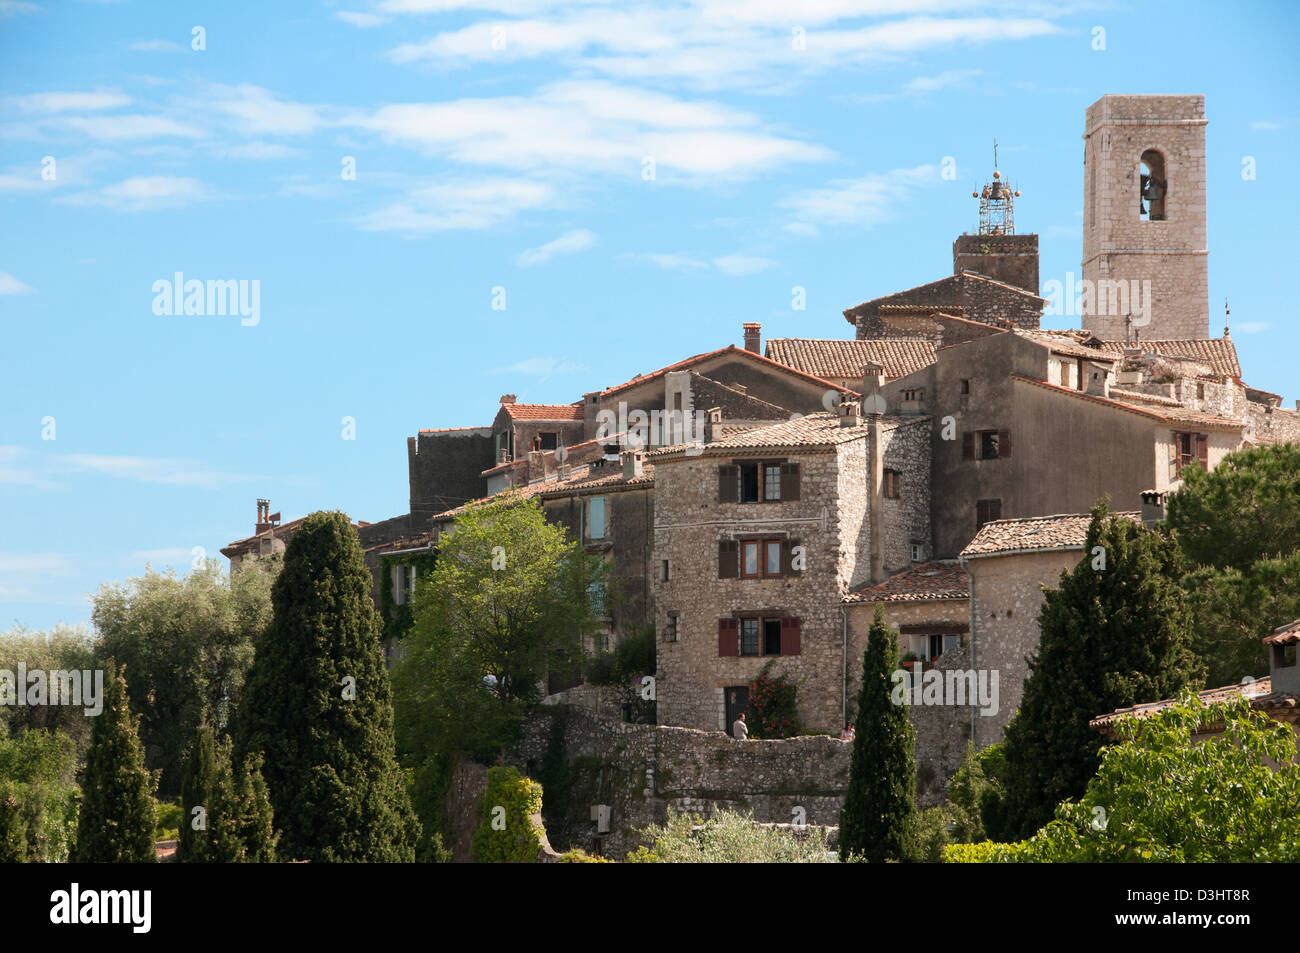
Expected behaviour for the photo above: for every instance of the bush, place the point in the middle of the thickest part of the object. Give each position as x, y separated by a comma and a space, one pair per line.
38, 801
169, 819
506, 833
773, 706
577, 856
730, 838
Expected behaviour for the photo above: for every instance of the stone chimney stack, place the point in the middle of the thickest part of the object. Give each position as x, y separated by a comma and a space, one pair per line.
263, 517
1153, 507
712, 420
507, 398
850, 413
1096, 379
753, 337
633, 463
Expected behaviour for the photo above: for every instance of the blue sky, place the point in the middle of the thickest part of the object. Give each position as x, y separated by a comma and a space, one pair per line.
503, 144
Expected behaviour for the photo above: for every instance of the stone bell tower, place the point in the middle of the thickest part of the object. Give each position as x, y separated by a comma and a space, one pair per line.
1144, 237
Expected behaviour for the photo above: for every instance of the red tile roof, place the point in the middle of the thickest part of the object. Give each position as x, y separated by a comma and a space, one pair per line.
812, 432
698, 358
544, 411
1218, 353
928, 582
1288, 634
1259, 691
1033, 534
456, 429
1172, 416
844, 359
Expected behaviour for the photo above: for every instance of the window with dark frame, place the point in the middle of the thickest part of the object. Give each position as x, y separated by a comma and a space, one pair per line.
893, 484
550, 441
671, 634
758, 481
986, 511
759, 558
965, 385
749, 636
986, 444
759, 636
1191, 448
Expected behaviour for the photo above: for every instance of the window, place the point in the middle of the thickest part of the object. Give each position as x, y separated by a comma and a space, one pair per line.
915, 394
550, 441
758, 636
986, 511
663, 571
758, 481
596, 598
403, 584
893, 484
596, 518
930, 646
965, 385
1200, 392
986, 444
1190, 448
918, 552
670, 635
759, 558
1154, 186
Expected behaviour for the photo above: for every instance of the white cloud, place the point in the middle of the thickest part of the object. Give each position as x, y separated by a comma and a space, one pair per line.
261, 150
740, 265
53, 102
115, 128
540, 366
172, 472
32, 562
9, 285
1251, 327
864, 201
155, 46
566, 244
586, 125
948, 79
671, 262
1267, 125
175, 554
145, 192
467, 205
258, 111
13, 8
363, 20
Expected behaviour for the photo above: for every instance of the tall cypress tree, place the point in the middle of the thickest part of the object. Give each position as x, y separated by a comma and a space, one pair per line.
257, 835
317, 705
198, 790
117, 820
879, 811
1116, 633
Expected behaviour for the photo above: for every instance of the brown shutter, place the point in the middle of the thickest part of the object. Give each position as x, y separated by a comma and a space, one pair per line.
1203, 451
995, 510
728, 638
1004, 443
728, 477
728, 563
789, 481
968, 445
790, 636
393, 578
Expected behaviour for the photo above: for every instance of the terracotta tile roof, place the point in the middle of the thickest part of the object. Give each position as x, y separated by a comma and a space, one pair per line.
844, 359
1033, 533
418, 541
698, 358
544, 411
813, 432
1259, 691
488, 429
1131, 396
502, 467
1069, 345
1171, 416
516, 493
850, 313
265, 534
1288, 634
1219, 353
604, 478
927, 582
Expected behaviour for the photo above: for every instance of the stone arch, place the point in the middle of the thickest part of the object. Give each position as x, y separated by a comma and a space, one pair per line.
1153, 186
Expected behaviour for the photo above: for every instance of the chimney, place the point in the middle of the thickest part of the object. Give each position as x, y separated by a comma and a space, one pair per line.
753, 336
712, 419
507, 398
1153, 507
875, 497
633, 462
263, 517
1097, 380
850, 413
873, 378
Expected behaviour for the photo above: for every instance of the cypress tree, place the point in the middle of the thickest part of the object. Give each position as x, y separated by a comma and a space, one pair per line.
317, 706
877, 821
117, 820
256, 832
198, 790
1115, 633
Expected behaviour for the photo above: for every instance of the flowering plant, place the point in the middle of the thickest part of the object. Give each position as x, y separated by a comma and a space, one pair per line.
773, 710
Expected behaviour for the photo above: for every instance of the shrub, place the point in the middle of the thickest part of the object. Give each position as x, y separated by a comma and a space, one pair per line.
773, 706
729, 837
506, 833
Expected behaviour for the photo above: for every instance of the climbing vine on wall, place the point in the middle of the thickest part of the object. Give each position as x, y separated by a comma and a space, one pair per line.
773, 708
398, 619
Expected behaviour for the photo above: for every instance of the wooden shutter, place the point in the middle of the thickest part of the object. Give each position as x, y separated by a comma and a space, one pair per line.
1004, 443
790, 636
728, 478
1203, 451
728, 563
394, 574
968, 445
995, 510
789, 481
728, 638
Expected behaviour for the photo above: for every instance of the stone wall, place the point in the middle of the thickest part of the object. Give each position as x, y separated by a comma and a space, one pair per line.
642, 771
1008, 258
988, 302
444, 469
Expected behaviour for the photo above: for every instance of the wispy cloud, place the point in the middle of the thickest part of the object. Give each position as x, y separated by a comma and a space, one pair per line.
144, 193
363, 20
32, 562
13, 8
543, 367
948, 79
467, 205
176, 554
567, 244
115, 128
1251, 327
258, 111
1267, 125
261, 150
740, 265
863, 202
53, 102
9, 285
163, 470
155, 46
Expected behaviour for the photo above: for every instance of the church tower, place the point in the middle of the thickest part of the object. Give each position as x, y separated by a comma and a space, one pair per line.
1144, 237
996, 250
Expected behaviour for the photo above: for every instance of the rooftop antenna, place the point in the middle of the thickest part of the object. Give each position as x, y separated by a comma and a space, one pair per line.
1226, 315
997, 203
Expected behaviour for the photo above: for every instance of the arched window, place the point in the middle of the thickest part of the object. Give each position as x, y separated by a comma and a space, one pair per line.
1154, 187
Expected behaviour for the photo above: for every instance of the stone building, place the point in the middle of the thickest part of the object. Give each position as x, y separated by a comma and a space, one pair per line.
1144, 213
759, 537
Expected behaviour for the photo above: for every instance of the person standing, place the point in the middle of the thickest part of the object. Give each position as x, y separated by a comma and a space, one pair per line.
740, 730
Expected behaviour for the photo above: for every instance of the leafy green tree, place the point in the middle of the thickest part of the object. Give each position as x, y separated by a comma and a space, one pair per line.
186, 645
317, 706
66, 648
117, 819
507, 600
38, 796
1115, 633
1239, 526
965, 791
509, 829
234, 824
878, 820
198, 798
729, 837
1162, 796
